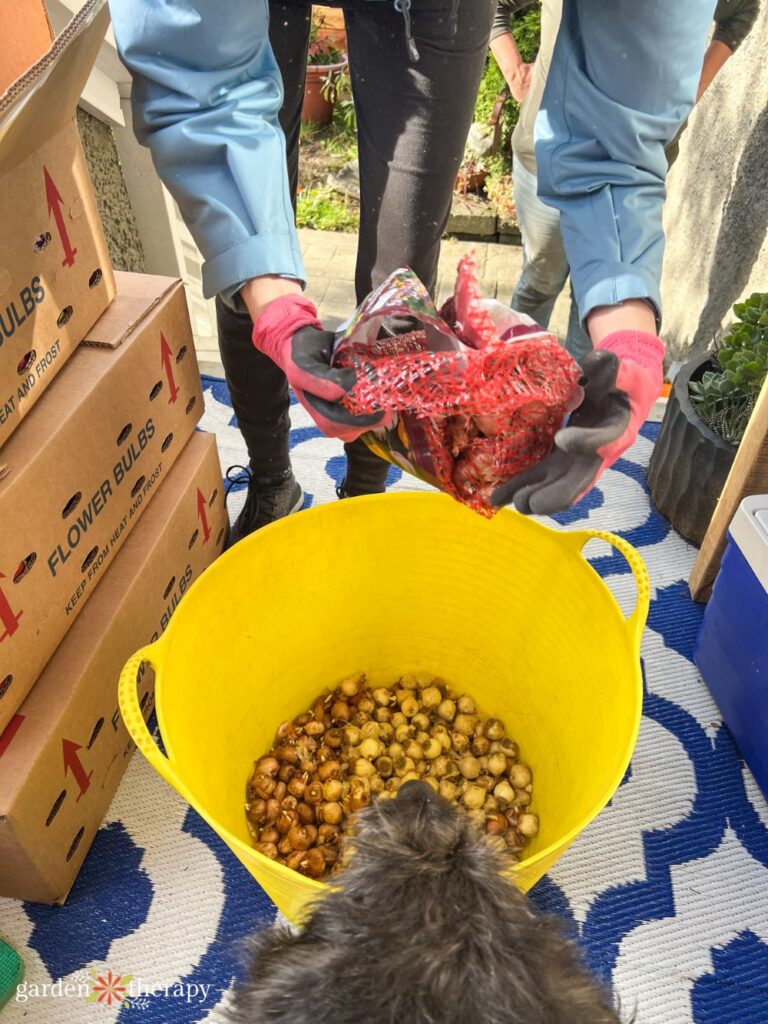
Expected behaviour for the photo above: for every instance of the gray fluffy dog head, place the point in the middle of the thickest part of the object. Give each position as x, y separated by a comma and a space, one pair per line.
423, 929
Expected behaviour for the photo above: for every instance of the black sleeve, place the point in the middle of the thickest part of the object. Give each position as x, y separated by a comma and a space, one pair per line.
733, 21
502, 22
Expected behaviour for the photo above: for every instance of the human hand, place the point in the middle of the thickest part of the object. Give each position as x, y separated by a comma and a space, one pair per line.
519, 78
289, 332
622, 379
516, 72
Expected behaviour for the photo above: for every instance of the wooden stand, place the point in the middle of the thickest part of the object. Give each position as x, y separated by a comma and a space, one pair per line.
749, 475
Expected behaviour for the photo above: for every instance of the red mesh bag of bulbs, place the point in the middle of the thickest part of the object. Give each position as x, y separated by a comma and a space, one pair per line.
473, 395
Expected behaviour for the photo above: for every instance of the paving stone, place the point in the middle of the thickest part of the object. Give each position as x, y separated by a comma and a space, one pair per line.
470, 216
452, 250
502, 259
321, 249
341, 241
330, 261
316, 290
504, 265
348, 245
488, 287
508, 226
444, 288
558, 322
339, 266
339, 300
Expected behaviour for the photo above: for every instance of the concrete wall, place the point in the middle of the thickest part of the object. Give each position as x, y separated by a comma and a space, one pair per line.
717, 208
152, 206
112, 200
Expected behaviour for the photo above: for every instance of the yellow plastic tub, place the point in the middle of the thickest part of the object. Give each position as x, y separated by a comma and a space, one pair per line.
505, 610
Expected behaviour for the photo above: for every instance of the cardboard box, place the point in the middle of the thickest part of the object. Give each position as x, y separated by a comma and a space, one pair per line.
64, 753
79, 472
26, 33
55, 275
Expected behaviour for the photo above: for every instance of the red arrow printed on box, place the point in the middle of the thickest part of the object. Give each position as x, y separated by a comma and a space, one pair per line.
72, 764
166, 357
8, 618
10, 731
55, 203
202, 506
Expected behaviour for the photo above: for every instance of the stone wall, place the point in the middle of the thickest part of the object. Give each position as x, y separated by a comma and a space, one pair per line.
112, 200
717, 208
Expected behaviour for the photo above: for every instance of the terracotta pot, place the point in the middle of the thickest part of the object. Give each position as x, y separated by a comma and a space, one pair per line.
317, 108
690, 463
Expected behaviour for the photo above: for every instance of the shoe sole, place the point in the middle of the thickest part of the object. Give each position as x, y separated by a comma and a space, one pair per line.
298, 503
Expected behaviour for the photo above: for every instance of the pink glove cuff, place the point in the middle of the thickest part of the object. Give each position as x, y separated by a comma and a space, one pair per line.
640, 376
638, 351
280, 321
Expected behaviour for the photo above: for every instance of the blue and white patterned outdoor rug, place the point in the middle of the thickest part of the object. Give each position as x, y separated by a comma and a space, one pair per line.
668, 888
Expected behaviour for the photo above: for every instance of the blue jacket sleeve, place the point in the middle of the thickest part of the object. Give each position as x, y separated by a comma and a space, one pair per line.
206, 98
620, 85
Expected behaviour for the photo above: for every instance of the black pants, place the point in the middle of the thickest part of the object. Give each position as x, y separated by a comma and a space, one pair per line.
412, 122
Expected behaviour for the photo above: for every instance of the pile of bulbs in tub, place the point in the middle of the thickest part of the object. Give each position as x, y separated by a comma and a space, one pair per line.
357, 744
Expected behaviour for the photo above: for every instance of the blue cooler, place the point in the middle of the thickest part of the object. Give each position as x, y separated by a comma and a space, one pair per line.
731, 651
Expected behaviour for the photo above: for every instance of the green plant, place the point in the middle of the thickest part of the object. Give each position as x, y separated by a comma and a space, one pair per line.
491, 85
499, 189
329, 88
321, 51
724, 398
344, 115
324, 209
336, 90
344, 112
339, 143
309, 131
526, 28
324, 53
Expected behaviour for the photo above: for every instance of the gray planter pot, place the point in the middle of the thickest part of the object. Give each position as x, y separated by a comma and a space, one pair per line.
690, 463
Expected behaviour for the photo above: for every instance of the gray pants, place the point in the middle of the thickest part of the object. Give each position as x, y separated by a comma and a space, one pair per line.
412, 122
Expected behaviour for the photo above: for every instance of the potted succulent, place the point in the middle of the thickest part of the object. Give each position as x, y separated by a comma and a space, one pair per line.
325, 64
707, 413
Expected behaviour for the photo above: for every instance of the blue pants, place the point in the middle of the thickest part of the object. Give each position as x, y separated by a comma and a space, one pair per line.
545, 264
622, 80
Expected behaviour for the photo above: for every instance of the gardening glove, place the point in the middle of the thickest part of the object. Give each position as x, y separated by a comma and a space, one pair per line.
289, 332
622, 379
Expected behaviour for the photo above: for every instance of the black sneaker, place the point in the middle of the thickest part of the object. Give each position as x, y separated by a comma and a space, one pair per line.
266, 501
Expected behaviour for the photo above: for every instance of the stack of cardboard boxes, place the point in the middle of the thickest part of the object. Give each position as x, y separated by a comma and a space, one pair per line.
110, 503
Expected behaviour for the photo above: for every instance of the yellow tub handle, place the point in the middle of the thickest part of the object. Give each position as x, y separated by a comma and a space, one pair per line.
636, 621
128, 699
